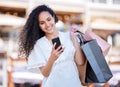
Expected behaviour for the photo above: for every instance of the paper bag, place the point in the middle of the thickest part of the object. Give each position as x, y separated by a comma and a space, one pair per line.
97, 70
89, 35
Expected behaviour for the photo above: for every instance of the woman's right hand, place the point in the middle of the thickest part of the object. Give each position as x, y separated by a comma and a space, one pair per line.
55, 53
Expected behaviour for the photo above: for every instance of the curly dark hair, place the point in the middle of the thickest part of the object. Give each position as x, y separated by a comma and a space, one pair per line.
31, 31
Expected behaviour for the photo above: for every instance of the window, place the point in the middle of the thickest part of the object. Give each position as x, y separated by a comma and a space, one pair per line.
99, 1
116, 1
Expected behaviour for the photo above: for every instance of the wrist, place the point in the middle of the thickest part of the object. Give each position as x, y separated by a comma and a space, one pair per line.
52, 59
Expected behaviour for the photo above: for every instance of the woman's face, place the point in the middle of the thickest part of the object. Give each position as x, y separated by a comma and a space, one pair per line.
46, 22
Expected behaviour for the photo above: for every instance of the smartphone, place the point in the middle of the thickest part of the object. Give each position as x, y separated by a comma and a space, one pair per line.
57, 40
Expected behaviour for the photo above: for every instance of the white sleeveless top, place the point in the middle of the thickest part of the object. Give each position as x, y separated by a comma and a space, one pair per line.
64, 72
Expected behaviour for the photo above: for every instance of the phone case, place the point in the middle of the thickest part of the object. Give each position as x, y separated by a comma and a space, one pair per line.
57, 40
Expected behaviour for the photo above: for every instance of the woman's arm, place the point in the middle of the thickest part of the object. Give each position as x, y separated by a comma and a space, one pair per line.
79, 56
54, 55
46, 69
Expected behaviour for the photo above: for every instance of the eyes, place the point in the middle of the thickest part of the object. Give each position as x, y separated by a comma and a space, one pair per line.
47, 20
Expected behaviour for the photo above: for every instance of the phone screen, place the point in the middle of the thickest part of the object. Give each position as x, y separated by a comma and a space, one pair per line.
57, 40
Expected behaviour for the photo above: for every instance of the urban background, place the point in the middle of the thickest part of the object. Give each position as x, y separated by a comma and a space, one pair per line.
101, 16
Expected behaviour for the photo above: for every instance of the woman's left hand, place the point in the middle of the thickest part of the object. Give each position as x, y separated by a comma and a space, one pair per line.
78, 59
73, 34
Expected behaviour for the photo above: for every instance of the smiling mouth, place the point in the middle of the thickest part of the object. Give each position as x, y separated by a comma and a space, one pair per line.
48, 28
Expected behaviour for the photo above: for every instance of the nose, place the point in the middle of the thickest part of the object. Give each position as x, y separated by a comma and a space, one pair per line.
47, 24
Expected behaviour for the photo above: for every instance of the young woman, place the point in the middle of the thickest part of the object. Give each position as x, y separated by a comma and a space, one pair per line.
57, 65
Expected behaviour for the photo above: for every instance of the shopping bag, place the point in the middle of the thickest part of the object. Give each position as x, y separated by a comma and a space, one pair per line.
89, 35
97, 70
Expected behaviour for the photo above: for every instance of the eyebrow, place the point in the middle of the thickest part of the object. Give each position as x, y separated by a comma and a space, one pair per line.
46, 18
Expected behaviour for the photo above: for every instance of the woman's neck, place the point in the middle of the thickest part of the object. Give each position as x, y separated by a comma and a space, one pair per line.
52, 35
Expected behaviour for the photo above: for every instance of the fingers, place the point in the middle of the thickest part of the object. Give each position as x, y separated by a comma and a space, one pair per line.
54, 45
58, 51
74, 30
59, 48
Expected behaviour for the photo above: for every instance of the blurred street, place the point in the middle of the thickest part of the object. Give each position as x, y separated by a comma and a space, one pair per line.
100, 16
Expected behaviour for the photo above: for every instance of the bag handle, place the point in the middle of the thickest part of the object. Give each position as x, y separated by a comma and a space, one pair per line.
81, 38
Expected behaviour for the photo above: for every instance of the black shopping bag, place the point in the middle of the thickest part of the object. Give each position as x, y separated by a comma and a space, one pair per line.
97, 70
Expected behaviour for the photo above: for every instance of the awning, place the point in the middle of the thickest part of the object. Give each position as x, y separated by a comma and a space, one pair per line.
9, 20
105, 25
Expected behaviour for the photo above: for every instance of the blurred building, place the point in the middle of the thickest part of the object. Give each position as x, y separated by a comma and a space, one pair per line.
102, 16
